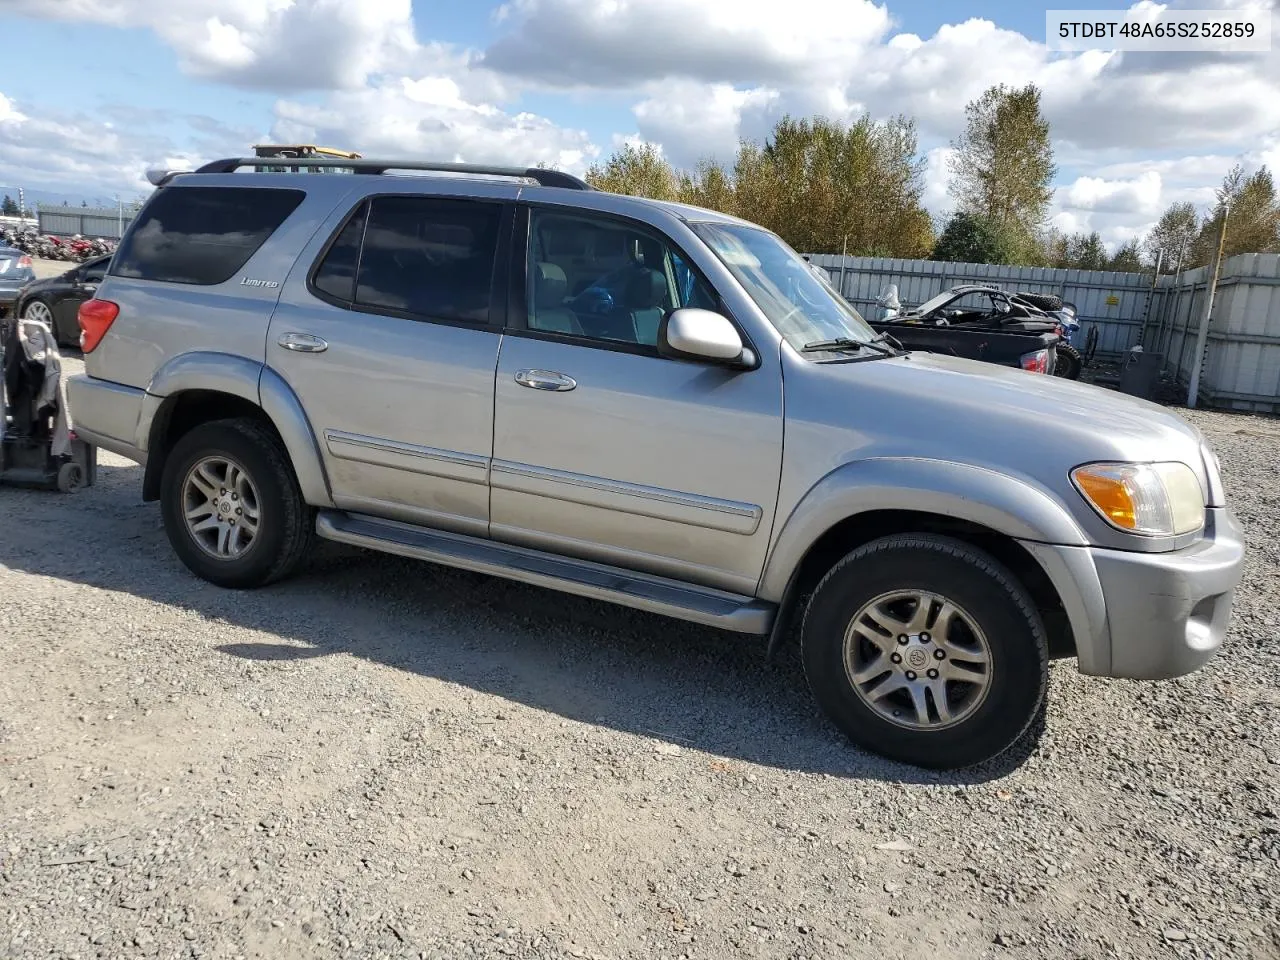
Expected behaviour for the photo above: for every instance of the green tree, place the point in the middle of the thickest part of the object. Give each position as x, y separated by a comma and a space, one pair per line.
1127, 258
1174, 233
708, 185
818, 183
972, 239
9, 207
640, 171
1253, 217
1085, 251
1003, 168
822, 185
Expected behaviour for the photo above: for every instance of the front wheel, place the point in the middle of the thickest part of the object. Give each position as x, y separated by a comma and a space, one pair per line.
231, 505
926, 650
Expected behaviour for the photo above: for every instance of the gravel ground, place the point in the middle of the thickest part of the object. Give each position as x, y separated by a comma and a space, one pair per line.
385, 759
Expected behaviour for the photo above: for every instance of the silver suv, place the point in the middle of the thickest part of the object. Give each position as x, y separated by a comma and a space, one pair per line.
650, 404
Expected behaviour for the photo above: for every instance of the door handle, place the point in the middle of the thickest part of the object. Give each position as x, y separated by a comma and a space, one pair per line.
302, 343
545, 380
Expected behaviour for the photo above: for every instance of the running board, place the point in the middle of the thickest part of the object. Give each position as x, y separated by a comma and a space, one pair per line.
715, 608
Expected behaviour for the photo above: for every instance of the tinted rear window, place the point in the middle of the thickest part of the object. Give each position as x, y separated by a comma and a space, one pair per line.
429, 257
202, 235
336, 275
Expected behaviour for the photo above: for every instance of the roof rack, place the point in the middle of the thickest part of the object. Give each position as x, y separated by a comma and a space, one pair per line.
541, 176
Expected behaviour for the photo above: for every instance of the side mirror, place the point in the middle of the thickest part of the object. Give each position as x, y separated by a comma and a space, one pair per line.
691, 333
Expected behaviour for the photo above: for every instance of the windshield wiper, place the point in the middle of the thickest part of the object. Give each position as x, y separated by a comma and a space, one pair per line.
838, 343
891, 340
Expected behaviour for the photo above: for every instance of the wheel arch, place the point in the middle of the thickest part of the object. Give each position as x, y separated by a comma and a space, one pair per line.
197, 388
870, 499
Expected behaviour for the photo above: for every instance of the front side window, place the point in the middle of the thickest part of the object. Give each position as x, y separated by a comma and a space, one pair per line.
606, 279
201, 235
805, 309
426, 257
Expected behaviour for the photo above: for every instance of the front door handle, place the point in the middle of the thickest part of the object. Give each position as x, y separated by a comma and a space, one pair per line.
302, 343
545, 380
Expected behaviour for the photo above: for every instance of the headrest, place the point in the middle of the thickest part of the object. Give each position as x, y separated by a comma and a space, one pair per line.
549, 286
645, 289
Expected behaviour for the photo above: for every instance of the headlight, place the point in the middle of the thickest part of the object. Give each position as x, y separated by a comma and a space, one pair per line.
1150, 499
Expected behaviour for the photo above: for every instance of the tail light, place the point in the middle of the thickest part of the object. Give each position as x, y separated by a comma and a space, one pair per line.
96, 317
1036, 362
24, 261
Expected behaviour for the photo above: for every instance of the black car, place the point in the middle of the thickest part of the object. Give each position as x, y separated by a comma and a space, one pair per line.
981, 322
56, 300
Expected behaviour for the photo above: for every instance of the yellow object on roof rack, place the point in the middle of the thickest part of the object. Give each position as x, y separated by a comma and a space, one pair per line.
303, 151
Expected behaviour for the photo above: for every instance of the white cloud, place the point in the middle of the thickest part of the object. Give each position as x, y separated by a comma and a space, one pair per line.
694, 120
624, 43
8, 112
428, 117
937, 175
1140, 195
75, 152
278, 45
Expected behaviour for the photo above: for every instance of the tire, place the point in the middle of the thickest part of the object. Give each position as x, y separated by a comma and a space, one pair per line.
41, 311
1090, 344
70, 478
1042, 301
284, 525
984, 723
1069, 363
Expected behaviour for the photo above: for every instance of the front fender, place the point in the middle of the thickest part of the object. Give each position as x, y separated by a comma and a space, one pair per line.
251, 381
990, 499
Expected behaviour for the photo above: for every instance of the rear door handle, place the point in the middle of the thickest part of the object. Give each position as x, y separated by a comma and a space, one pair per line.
545, 380
302, 343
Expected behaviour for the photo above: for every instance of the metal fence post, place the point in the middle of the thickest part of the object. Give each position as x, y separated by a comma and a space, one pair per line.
1202, 337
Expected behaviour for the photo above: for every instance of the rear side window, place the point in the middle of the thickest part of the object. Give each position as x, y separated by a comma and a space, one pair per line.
421, 257
202, 235
336, 275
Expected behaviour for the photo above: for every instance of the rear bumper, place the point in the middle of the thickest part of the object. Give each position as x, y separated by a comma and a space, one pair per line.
106, 414
1149, 616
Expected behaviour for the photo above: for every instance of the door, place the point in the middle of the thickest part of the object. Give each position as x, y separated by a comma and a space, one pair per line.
390, 342
607, 451
78, 288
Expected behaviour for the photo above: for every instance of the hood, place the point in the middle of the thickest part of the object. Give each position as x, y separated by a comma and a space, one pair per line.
941, 407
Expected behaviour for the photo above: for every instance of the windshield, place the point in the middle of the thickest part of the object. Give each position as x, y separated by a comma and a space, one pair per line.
804, 308
935, 302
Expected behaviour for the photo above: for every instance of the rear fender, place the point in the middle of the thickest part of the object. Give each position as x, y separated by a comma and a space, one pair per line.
248, 380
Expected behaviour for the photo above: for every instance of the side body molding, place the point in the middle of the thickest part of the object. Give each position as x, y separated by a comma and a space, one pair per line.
994, 500
249, 380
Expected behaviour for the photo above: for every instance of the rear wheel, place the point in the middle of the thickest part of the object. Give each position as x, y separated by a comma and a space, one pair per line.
39, 311
926, 650
231, 505
1069, 362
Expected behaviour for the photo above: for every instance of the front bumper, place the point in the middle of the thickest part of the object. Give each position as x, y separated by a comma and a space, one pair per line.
1149, 616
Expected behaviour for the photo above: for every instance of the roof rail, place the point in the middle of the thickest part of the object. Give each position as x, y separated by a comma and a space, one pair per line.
159, 176
543, 177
